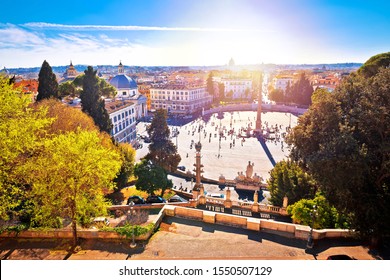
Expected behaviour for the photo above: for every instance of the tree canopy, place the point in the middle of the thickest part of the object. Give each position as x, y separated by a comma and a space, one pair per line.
92, 102
316, 213
69, 178
300, 92
288, 179
151, 177
343, 140
48, 85
127, 169
162, 151
372, 66
21, 129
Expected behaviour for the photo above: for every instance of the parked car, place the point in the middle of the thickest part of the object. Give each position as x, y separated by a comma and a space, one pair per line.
340, 257
155, 199
176, 198
136, 199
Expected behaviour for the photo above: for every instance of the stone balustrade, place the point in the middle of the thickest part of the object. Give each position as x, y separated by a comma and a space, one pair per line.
274, 227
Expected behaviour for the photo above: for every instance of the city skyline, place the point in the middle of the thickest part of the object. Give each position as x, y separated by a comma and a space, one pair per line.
192, 33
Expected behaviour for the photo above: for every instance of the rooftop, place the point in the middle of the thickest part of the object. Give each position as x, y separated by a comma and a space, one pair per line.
116, 105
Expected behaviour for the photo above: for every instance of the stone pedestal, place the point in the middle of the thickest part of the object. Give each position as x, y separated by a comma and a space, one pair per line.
255, 207
228, 204
285, 202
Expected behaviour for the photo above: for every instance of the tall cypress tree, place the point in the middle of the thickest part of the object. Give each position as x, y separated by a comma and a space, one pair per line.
91, 101
162, 151
48, 85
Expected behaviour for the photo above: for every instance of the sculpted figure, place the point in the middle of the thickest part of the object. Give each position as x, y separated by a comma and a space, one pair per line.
249, 170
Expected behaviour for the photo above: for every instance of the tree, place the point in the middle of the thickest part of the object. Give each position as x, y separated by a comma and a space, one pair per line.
343, 140
371, 67
48, 85
210, 86
325, 215
300, 92
21, 129
65, 118
288, 179
127, 169
67, 89
92, 102
151, 177
162, 151
221, 91
69, 178
276, 95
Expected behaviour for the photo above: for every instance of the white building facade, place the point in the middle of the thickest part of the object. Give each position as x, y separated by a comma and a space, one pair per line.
241, 88
180, 99
123, 118
281, 82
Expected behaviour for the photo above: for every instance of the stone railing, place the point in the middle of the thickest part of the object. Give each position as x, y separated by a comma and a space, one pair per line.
214, 200
243, 221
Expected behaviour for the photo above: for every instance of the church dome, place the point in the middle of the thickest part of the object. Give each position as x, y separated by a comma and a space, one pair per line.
123, 81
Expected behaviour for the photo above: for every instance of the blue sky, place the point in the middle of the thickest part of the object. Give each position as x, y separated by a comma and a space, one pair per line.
192, 32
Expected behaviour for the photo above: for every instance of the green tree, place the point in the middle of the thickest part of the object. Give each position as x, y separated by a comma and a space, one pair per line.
162, 151
316, 213
372, 66
106, 89
343, 140
67, 89
276, 95
92, 102
127, 168
69, 178
21, 129
210, 86
48, 85
151, 177
288, 179
300, 92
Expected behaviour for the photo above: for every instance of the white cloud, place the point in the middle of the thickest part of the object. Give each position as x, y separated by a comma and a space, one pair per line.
55, 26
25, 48
11, 36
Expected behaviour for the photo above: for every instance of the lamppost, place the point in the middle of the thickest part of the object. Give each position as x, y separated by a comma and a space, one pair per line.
310, 241
132, 244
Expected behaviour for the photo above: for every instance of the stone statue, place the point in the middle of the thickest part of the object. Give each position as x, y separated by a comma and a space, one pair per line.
256, 178
249, 170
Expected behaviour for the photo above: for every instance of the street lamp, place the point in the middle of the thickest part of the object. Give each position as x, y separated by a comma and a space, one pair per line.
132, 244
310, 241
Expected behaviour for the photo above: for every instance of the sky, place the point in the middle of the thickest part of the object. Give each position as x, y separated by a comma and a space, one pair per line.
191, 32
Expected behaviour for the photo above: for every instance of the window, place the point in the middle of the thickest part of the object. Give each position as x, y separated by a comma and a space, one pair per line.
120, 127
115, 119
119, 117
127, 113
124, 93
123, 115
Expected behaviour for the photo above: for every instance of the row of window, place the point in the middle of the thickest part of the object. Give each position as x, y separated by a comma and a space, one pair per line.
123, 125
123, 115
178, 92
